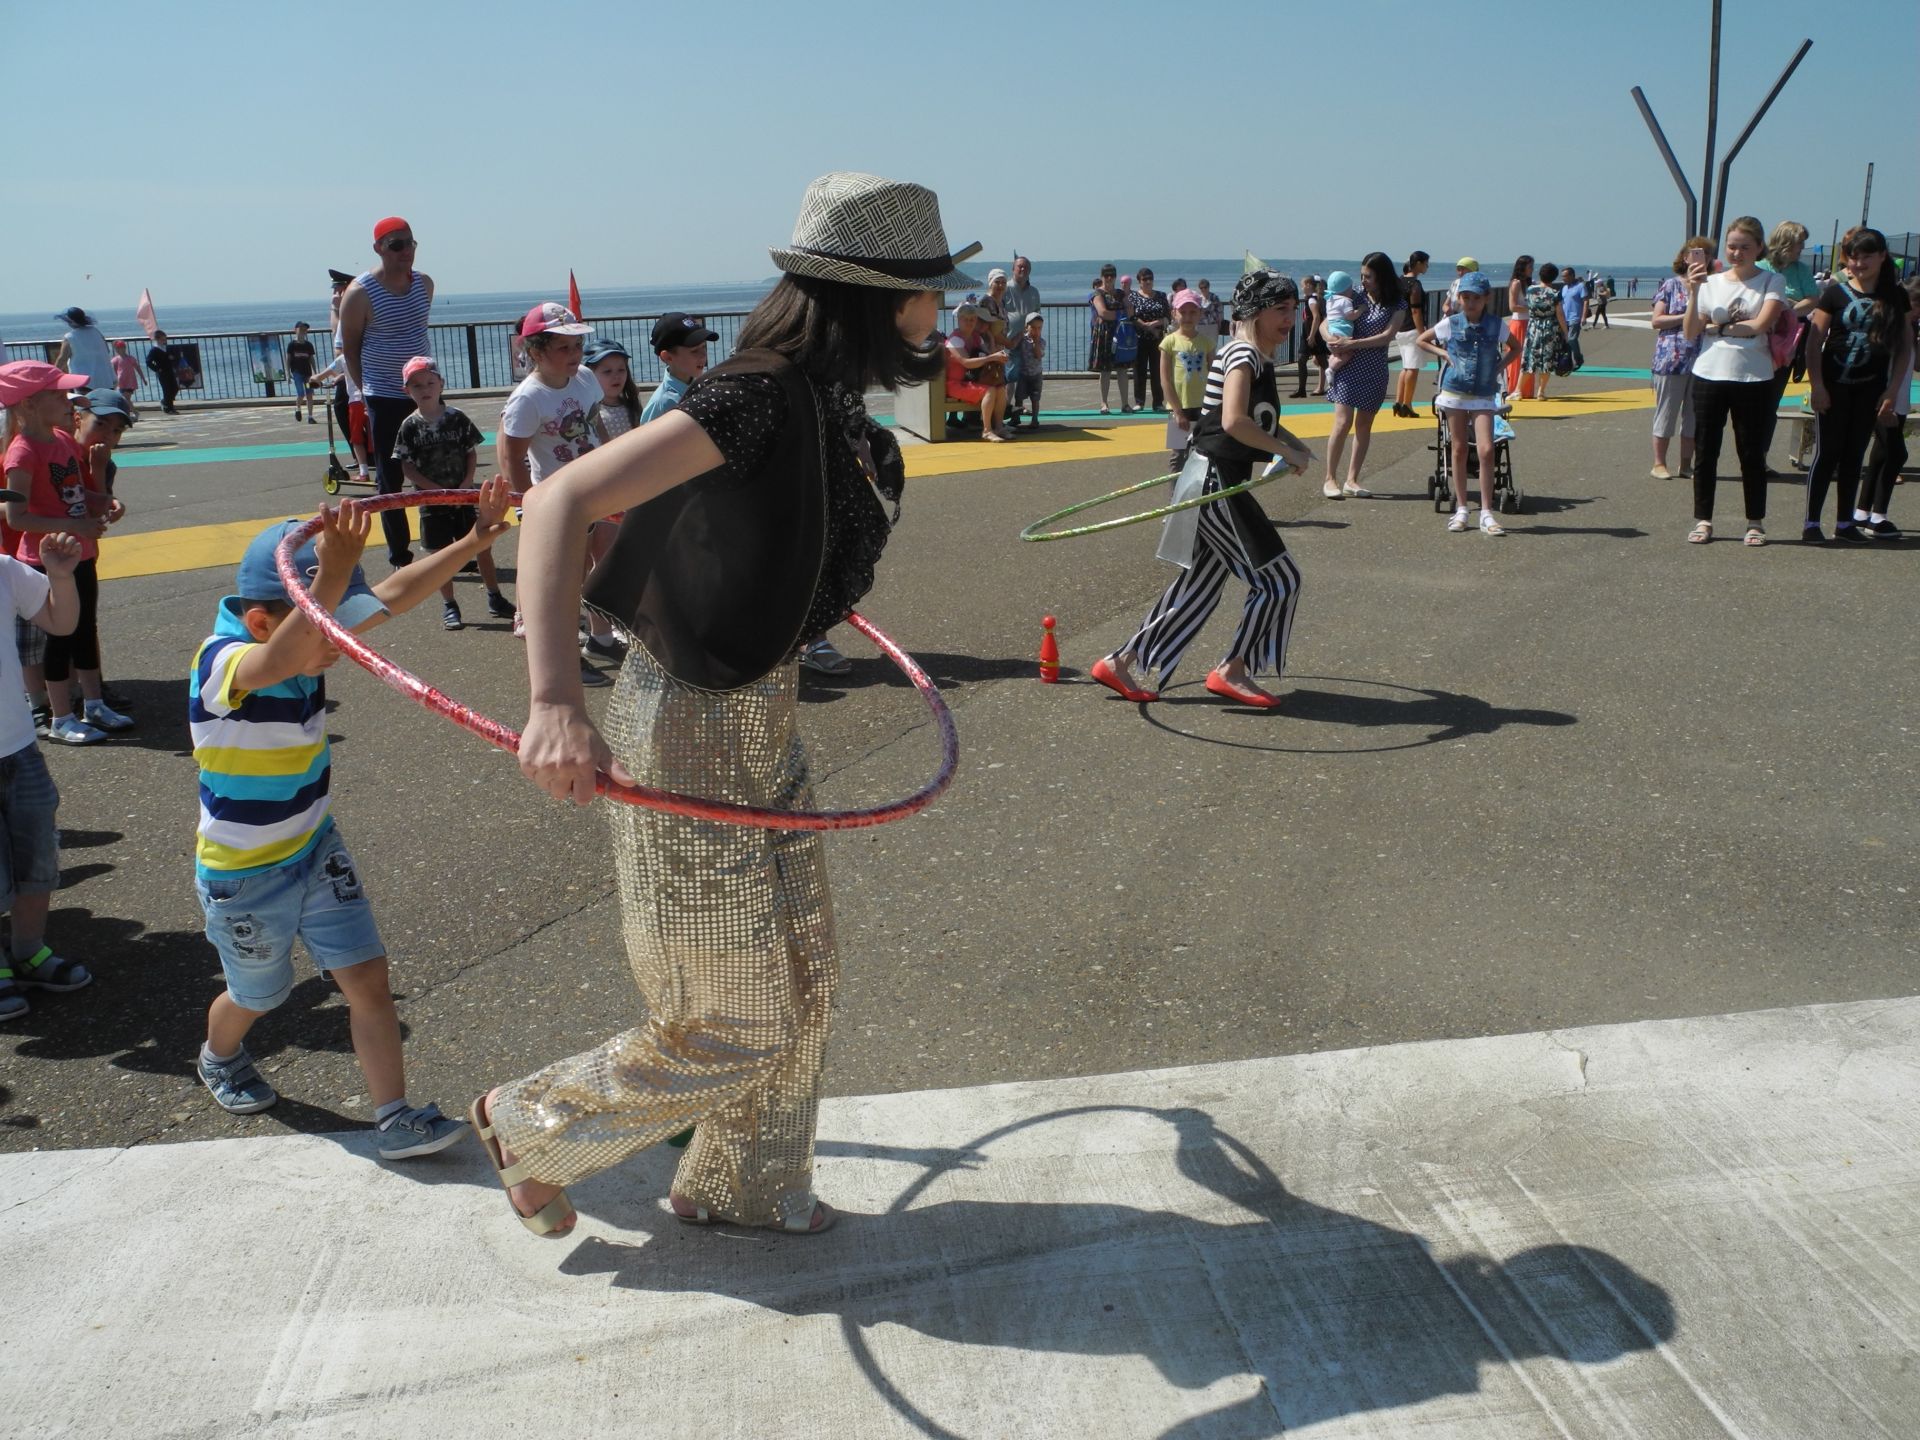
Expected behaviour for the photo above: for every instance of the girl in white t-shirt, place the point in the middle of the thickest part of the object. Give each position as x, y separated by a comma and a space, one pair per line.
545, 423
1729, 316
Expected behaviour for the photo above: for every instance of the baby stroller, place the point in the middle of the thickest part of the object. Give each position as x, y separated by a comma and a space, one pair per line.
1507, 494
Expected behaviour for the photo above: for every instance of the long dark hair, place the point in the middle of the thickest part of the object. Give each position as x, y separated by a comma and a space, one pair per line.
1386, 279
1877, 324
839, 332
1522, 263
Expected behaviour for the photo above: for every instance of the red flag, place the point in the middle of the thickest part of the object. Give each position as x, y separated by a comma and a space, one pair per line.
143, 312
573, 297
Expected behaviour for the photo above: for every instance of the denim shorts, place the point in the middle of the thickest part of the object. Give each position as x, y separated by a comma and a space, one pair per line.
30, 859
254, 920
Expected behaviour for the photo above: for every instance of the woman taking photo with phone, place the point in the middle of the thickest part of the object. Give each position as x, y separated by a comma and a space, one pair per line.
1729, 316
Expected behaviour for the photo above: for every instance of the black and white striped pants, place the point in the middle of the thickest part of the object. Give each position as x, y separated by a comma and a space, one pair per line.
1266, 624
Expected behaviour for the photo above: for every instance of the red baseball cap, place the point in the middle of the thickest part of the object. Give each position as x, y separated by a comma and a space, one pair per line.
418, 363
384, 228
23, 379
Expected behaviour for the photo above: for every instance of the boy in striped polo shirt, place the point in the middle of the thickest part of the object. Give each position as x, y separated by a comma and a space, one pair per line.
270, 866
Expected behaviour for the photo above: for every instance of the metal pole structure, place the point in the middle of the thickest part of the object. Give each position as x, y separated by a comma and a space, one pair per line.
1867, 199
1713, 115
1726, 165
1673, 165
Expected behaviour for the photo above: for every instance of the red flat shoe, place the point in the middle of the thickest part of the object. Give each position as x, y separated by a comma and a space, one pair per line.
1104, 672
1219, 685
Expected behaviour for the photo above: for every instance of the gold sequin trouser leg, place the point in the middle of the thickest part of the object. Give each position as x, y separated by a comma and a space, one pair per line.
730, 933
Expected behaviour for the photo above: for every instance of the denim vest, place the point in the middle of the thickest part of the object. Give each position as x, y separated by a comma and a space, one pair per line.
1473, 355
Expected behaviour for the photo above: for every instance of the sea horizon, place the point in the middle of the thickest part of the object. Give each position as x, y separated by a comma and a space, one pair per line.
1059, 282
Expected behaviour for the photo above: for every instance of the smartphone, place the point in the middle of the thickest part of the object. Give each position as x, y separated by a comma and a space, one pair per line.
1697, 256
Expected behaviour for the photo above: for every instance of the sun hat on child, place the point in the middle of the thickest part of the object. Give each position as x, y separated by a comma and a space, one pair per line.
1339, 282
862, 230
1188, 297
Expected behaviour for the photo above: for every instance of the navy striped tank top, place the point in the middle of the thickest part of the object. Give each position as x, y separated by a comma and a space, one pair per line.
396, 333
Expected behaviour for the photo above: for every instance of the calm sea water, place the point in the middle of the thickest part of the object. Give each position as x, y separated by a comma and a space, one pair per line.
1057, 280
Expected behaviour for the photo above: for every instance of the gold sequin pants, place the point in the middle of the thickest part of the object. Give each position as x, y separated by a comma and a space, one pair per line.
730, 934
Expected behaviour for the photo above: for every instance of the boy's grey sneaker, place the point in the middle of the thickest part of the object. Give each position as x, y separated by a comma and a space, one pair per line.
418, 1130
498, 606
590, 676
450, 617
237, 1085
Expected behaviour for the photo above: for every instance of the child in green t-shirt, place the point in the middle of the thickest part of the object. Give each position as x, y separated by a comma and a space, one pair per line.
1183, 371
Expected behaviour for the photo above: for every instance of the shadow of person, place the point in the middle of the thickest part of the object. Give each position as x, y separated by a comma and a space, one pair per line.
1443, 714
1332, 1313
945, 670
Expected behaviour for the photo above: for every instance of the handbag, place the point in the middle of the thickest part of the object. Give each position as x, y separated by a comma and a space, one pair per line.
1784, 337
1563, 359
1126, 340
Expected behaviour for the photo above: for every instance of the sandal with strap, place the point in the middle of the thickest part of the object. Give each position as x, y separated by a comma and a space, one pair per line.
553, 1218
1755, 536
820, 1219
1701, 533
12, 1003
48, 971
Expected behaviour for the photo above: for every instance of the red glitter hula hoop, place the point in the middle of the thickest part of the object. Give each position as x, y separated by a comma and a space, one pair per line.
504, 737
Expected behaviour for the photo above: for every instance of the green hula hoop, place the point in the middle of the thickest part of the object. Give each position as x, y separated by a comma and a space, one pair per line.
1038, 530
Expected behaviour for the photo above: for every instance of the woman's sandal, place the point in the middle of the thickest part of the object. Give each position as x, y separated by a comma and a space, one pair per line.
1755, 535
553, 1218
1701, 533
700, 1215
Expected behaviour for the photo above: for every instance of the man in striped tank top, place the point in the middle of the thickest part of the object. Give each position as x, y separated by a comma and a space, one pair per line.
383, 324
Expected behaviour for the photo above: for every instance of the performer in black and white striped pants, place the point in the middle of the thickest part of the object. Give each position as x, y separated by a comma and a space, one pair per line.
1239, 427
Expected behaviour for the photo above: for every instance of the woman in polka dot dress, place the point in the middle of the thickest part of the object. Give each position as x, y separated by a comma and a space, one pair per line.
1359, 386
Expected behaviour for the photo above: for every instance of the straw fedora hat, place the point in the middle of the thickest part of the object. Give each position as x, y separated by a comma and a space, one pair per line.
862, 230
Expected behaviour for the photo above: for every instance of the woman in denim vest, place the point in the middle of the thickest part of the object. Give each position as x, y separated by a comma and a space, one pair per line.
1476, 348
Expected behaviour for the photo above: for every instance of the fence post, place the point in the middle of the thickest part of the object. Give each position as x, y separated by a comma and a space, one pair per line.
473, 359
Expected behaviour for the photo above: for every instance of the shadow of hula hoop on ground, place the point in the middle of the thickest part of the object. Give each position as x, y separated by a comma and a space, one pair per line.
1308, 1282
1446, 714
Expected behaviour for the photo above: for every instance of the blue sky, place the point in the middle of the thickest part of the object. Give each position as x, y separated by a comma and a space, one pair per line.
652, 144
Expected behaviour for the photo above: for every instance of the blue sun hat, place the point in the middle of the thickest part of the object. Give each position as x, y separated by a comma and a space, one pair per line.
1339, 282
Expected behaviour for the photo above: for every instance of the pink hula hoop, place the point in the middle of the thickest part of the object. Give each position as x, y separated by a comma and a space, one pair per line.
505, 737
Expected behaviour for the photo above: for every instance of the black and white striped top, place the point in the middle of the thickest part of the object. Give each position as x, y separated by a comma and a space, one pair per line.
1234, 355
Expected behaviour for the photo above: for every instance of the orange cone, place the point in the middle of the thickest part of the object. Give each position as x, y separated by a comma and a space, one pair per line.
1049, 653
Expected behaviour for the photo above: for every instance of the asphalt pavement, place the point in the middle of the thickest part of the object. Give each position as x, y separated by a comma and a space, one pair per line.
1582, 773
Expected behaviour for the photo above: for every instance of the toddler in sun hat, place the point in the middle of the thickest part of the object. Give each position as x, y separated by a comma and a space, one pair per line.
1339, 313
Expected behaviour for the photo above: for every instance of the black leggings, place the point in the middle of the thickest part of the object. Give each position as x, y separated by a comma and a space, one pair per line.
1883, 469
81, 649
1146, 370
1749, 403
1840, 439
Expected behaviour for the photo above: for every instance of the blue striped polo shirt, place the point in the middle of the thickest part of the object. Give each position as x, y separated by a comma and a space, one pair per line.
265, 768
396, 332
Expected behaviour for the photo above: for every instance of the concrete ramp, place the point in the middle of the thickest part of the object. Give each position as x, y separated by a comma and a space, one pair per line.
1667, 1229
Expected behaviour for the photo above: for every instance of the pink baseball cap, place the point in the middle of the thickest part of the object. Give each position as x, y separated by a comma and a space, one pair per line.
1188, 297
23, 379
418, 363
550, 317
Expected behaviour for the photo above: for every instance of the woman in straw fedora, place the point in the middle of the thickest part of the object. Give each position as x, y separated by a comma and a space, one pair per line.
755, 514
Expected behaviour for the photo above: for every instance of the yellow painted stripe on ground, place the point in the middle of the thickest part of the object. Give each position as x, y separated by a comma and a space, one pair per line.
202, 547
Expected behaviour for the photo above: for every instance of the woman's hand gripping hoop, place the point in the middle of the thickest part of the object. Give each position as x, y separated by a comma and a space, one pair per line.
1038, 530
506, 738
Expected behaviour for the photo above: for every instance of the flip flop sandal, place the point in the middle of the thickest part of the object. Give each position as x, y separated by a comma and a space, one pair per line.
551, 1217
48, 971
703, 1216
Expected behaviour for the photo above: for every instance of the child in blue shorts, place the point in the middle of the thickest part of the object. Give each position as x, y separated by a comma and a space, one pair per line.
29, 843
270, 866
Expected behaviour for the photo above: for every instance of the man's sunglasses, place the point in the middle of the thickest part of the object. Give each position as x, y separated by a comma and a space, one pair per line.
401, 242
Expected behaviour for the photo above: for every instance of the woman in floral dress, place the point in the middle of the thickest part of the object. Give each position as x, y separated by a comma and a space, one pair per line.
1546, 330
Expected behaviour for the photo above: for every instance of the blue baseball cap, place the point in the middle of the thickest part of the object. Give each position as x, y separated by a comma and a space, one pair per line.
259, 577
1475, 283
604, 350
110, 402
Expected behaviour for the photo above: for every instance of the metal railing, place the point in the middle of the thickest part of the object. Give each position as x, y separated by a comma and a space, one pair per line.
479, 355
